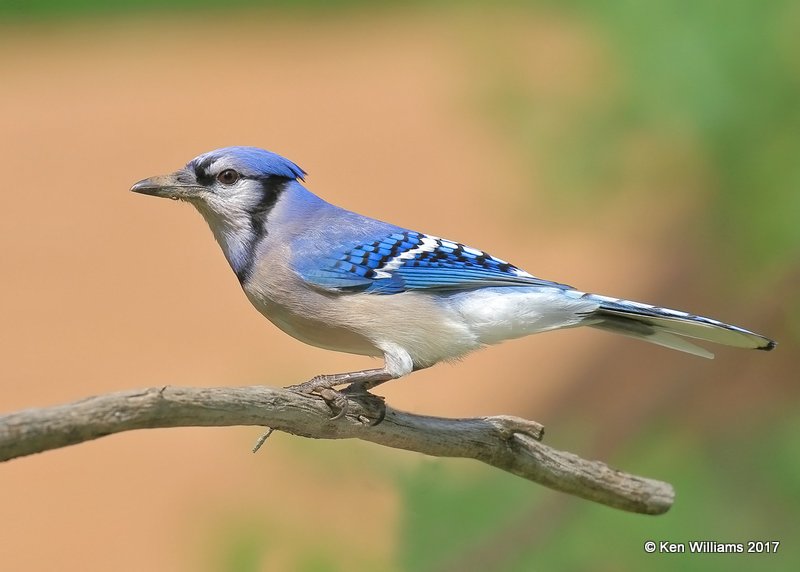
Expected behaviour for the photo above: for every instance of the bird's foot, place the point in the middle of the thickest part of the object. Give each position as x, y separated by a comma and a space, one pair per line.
359, 383
374, 405
323, 385
336, 400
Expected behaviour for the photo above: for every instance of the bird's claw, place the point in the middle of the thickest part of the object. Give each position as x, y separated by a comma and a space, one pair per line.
375, 403
336, 400
339, 401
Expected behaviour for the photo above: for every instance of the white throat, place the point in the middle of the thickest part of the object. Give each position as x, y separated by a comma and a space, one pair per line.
235, 234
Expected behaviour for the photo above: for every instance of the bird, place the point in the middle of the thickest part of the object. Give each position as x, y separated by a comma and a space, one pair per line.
342, 281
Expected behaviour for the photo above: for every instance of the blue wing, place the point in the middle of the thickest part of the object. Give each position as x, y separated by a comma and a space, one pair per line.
408, 260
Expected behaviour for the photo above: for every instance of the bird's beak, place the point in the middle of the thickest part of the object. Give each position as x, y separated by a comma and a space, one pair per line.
181, 184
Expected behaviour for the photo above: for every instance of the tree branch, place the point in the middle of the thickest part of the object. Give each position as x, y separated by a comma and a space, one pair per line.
508, 443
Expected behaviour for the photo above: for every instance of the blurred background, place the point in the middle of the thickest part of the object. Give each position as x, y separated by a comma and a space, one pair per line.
642, 150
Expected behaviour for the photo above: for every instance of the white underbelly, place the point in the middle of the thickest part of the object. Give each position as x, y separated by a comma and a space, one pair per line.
315, 332
374, 325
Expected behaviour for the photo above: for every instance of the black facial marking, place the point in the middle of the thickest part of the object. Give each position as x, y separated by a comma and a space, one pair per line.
201, 171
272, 187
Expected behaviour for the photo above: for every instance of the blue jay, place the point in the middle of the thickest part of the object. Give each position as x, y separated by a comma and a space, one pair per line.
342, 281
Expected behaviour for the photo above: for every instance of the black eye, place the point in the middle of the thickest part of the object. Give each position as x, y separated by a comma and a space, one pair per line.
228, 177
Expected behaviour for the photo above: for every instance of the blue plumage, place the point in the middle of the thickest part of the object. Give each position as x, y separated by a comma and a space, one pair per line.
408, 260
250, 161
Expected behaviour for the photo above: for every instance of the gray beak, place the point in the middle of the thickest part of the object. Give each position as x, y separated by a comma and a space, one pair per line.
178, 185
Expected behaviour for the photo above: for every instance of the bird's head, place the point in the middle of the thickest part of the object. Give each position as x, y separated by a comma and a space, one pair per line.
235, 189
226, 184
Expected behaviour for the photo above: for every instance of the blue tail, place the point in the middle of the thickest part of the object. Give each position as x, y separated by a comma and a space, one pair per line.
670, 328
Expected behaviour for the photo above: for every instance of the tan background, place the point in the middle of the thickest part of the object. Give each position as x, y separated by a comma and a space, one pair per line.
105, 290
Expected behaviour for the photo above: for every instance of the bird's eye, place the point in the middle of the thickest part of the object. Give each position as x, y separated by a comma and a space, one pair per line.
228, 177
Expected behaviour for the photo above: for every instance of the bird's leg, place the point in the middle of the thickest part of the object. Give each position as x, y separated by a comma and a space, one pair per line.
369, 377
359, 383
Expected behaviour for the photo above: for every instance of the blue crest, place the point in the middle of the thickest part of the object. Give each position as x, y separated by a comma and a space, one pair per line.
249, 161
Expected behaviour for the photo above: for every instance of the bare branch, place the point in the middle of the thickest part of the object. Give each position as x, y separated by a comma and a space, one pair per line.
508, 443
